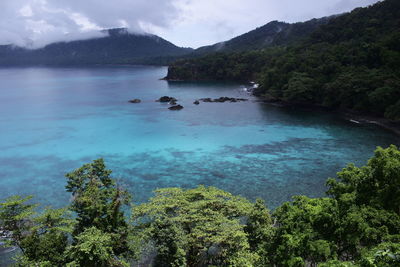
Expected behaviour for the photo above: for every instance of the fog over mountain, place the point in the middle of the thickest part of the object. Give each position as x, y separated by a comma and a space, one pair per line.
35, 23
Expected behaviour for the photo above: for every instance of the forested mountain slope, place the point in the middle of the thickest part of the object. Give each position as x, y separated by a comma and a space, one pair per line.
352, 62
119, 47
271, 34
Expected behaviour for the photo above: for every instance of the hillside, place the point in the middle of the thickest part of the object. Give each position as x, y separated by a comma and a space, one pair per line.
271, 34
352, 63
119, 47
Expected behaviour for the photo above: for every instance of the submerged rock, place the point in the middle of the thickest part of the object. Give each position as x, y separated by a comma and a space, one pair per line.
166, 99
177, 107
172, 102
196, 102
135, 101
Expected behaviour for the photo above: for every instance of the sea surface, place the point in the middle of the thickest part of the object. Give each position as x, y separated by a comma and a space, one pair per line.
53, 120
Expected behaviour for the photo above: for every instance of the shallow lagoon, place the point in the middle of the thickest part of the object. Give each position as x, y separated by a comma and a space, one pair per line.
52, 120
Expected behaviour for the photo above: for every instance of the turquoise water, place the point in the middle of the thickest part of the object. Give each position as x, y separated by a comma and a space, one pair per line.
52, 120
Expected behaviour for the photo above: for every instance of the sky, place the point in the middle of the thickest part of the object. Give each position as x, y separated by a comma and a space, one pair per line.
188, 23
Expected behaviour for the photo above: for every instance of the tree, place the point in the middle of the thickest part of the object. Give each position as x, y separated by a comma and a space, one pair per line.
300, 88
16, 219
386, 254
201, 226
305, 232
260, 231
93, 248
97, 200
377, 184
41, 238
48, 238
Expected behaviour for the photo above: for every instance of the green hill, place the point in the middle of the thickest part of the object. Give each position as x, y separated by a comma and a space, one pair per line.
352, 62
119, 47
271, 34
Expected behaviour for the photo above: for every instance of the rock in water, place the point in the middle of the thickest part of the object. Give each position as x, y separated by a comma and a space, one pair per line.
196, 102
166, 99
135, 101
177, 107
223, 99
207, 99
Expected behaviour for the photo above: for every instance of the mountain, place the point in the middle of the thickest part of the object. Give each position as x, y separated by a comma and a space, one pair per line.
351, 63
119, 47
271, 34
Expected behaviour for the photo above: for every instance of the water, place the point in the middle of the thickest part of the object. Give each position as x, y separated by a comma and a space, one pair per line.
52, 120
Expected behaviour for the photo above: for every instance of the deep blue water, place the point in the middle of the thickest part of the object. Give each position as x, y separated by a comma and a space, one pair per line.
52, 120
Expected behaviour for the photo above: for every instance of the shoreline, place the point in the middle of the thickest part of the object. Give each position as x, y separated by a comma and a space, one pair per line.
345, 114
348, 115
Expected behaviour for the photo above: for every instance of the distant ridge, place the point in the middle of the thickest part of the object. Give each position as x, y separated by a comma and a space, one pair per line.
119, 47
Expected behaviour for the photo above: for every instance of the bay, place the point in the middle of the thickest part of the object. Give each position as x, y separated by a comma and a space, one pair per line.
53, 120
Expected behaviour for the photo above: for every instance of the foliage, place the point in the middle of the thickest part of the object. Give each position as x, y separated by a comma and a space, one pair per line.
376, 185
97, 201
384, 255
15, 217
93, 248
48, 237
201, 226
271, 34
99, 232
41, 238
306, 231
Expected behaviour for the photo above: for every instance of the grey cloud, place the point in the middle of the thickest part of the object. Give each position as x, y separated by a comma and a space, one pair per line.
185, 22
38, 22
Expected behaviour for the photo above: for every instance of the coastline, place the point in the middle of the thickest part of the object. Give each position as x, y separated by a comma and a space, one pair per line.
349, 115
367, 119
345, 114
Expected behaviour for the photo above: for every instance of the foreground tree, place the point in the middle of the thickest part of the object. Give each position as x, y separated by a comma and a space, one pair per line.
48, 237
199, 227
305, 232
98, 201
16, 218
361, 215
99, 233
93, 248
376, 185
41, 238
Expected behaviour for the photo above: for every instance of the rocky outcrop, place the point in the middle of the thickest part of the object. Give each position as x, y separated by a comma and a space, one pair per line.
166, 99
176, 107
135, 101
222, 99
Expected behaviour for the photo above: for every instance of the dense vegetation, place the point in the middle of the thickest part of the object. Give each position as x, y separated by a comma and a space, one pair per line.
357, 225
352, 62
271, 34
119, 47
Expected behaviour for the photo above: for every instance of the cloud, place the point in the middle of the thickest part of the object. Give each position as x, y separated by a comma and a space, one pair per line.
34, 23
